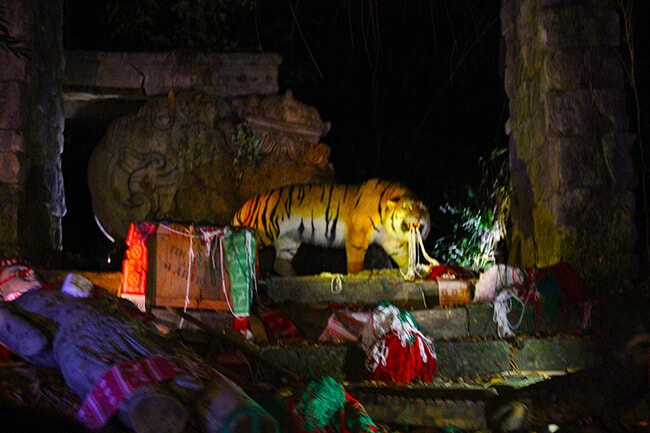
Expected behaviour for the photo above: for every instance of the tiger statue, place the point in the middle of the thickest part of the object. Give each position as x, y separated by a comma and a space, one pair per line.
335, 215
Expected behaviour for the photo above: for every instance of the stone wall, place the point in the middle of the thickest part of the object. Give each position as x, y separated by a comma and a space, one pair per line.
570, 146
40, 91
31, 132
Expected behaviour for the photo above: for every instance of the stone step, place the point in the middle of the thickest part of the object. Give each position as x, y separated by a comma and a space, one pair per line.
362, 289
457, 360
472, 377
440, 405
476, 368
427, 406
308, 301
473, 369
474, 320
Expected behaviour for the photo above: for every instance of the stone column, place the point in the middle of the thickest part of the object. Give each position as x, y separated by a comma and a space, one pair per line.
570, 145
31, 132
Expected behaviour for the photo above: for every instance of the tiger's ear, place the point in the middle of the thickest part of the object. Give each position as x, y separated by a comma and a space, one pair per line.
392, 202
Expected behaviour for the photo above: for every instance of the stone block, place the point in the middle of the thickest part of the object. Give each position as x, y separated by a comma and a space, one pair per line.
617, 151
81, 69
10, 169
589, 26
471, 358
439, 408
11, 108
571, 205
230, 74
315, 361
436, 323
456, 360
15, 16
601, 3
559, 354
480, 320
11, 141
10, 199
570, 113
440, 323
13, 68
612, 109
362, 289
581, 68
578, 162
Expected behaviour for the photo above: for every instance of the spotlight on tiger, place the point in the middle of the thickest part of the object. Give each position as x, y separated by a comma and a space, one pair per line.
335, 216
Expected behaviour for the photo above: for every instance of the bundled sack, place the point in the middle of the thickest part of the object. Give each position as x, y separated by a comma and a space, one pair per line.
16, 278
396, 350
543, 292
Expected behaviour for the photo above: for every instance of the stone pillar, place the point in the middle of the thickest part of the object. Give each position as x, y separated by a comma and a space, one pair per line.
570, 145
31, 132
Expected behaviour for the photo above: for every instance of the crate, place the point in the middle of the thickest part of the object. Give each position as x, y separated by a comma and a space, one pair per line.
195, 267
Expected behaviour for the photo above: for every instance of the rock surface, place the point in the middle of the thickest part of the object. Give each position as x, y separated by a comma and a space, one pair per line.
194, 158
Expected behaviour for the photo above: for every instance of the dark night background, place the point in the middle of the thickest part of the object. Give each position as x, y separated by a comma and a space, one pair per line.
413, 89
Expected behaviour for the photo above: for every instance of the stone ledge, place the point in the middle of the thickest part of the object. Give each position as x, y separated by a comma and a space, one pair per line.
307, 300
456, 359
365, 288
466, 415
150, 74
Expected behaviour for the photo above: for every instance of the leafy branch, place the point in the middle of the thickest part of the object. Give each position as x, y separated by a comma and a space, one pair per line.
478, 224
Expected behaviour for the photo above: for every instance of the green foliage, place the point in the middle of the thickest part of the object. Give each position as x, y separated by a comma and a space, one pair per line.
474, 227
247, 146
165, 24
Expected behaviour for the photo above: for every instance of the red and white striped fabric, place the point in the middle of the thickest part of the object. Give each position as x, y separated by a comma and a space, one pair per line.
104, 399
396, 350
16, 278
344, 327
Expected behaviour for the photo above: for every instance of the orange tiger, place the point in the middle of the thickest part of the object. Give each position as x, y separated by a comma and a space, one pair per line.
335, 215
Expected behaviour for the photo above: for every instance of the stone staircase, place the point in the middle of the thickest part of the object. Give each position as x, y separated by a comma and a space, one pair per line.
475, 366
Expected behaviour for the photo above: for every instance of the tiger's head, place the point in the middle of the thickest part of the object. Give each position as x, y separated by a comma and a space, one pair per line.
399, 210
405, 212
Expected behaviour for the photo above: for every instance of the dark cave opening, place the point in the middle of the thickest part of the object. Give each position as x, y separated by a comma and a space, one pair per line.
85, 246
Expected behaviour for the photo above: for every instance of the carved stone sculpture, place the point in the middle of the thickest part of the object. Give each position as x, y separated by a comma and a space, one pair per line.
193, 158
286, 127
